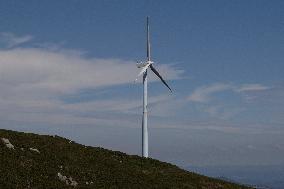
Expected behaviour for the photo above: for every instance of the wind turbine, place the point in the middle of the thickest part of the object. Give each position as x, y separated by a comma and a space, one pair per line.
144, 68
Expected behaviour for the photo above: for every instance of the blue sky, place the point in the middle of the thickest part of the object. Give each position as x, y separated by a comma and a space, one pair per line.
68, 68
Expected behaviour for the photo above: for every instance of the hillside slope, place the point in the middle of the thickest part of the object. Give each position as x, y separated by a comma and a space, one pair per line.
38, 161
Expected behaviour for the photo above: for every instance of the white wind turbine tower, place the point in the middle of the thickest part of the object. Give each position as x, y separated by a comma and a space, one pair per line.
144, 67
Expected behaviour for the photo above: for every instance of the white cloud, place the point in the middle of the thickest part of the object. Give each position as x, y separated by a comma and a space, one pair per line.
33, 79
39, 69
11, 40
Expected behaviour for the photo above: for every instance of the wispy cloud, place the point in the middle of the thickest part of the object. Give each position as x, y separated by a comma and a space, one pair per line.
251, 87
224, 110
203, 94
10, 40
121, 104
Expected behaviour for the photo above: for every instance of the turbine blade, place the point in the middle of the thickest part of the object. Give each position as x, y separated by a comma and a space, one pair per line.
148, 40
142, 71
157, 73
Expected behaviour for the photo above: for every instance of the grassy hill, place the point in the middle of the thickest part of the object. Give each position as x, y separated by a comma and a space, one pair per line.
38, 161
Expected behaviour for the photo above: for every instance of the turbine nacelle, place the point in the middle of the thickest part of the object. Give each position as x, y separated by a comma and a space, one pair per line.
143, 64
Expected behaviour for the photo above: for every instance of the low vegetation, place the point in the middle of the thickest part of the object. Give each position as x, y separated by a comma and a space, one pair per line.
37, 161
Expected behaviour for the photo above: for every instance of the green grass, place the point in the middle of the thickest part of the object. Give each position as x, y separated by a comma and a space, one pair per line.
23, 168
